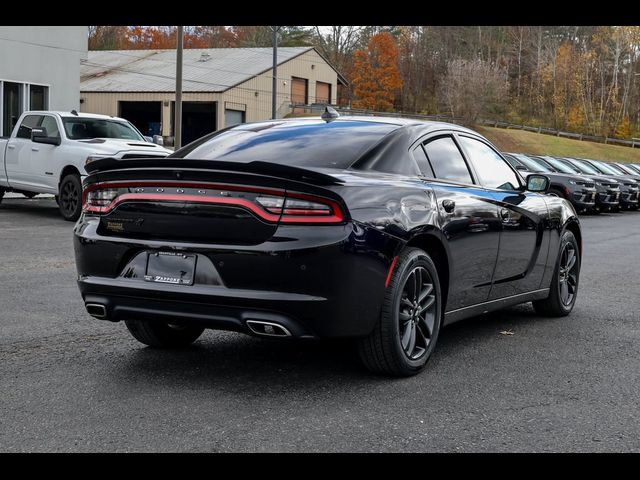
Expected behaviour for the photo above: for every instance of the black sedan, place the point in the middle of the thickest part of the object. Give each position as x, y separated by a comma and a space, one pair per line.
378, 229
580, 191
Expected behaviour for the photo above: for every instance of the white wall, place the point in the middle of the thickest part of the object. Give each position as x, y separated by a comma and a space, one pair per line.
48, 55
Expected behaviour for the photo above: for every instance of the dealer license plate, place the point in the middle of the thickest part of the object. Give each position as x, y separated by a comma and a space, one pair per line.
170, 267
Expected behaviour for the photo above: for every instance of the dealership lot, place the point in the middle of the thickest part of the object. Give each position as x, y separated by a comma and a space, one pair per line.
72, 383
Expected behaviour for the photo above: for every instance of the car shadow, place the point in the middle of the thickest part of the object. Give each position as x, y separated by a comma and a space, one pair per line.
235, 361
35, 208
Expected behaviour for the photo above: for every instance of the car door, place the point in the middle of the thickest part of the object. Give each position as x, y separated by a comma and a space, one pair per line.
18, 155
522, 254
468, 218
45, 158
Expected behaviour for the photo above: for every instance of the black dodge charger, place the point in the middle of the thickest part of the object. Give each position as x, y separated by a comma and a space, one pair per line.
378, 229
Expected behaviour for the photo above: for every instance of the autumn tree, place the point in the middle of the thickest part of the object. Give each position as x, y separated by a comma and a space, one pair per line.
376, 78
473, 90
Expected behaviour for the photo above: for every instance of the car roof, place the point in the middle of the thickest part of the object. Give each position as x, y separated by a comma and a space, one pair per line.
71, 115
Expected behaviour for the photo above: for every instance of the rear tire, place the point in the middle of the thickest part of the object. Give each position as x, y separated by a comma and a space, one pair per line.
406, 333
163, 335
564, 284
1, 194
70, 197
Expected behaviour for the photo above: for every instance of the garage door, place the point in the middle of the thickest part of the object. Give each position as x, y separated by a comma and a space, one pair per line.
323, 92
299, 91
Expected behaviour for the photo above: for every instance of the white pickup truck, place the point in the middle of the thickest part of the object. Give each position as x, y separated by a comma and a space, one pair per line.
47, 153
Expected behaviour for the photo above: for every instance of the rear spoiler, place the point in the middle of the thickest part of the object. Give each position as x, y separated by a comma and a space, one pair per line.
256, 167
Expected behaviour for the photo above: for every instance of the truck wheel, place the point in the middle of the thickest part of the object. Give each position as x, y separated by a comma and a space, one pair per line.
70, 197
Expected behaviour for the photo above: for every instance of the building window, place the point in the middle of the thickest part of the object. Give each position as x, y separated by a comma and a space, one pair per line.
323, 93
38, 97
233, 117
11, 106
15, 98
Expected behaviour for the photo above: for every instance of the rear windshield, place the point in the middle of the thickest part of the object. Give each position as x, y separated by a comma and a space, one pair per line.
299, 143
84, 128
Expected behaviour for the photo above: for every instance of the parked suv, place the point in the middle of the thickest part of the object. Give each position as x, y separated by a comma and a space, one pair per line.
608, 188
628, 183
580, 191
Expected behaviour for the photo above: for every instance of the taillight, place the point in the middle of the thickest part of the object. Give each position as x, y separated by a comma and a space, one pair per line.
271, 205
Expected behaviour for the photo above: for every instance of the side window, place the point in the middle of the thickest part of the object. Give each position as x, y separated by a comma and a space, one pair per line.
493, 171
30, 121
447, 161
51, 125
422, 161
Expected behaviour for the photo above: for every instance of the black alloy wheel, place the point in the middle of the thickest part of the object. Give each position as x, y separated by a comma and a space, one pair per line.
568, 275
416, 313
70, 197
564, 284
405, 336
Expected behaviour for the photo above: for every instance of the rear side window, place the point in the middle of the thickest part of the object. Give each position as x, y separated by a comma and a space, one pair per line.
447, 161
30, 121
492, 170
423, 162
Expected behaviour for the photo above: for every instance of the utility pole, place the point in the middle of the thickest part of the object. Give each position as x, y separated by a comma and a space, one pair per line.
177, 117
274, 84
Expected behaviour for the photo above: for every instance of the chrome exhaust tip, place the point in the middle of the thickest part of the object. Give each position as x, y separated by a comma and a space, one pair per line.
267, 329
96, 310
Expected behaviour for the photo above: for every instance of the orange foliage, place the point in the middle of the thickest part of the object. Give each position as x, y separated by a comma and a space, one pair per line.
376, 78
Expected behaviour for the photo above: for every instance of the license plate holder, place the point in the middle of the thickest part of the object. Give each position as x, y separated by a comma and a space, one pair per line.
170, 267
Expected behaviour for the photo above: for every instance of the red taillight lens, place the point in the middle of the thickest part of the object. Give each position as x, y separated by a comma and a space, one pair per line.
271, 205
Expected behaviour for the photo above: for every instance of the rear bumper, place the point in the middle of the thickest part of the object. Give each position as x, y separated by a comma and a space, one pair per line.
316, 282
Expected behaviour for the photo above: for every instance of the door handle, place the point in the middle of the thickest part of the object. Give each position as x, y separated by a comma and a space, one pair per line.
35, 149
505, 214
11, 146
448, 205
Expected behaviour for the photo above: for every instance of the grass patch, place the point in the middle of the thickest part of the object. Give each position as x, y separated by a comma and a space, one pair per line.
519, 141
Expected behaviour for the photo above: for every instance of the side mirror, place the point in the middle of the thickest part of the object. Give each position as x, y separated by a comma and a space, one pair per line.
538, 183
39, 135
158, 140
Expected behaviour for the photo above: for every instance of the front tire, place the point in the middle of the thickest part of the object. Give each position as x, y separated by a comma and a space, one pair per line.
564, 284
405, 336
70, 197
163, 335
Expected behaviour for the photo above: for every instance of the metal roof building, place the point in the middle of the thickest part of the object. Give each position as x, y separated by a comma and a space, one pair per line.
221, 86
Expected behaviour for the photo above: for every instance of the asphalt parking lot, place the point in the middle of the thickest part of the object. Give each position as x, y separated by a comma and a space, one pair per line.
72, 383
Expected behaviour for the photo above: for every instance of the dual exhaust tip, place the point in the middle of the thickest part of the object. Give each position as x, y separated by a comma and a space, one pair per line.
96, 310
267, 329
259, 327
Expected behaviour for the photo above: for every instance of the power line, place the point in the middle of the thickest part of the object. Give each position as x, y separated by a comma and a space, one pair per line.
42, 45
